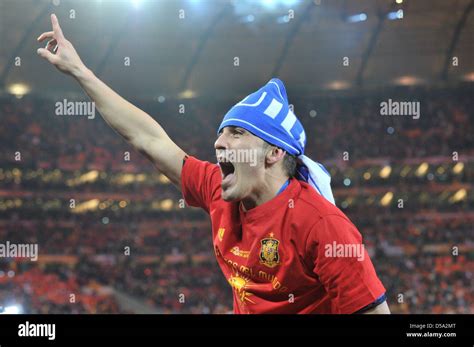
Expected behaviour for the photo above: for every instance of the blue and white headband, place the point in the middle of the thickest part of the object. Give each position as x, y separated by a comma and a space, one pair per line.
267, 115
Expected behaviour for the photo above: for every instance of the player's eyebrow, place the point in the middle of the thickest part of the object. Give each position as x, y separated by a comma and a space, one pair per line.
236, 129
232, 129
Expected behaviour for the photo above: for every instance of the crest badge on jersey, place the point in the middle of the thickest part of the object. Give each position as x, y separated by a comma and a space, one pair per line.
269, 255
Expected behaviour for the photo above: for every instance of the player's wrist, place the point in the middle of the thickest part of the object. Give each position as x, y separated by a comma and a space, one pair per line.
81, 73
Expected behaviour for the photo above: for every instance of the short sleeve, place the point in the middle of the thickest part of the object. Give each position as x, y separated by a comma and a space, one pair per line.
200, 181
342, 264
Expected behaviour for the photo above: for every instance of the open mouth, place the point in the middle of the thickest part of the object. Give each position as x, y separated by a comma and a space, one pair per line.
227, 168
228, 173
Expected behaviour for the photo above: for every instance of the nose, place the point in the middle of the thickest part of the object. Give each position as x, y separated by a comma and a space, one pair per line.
221, 142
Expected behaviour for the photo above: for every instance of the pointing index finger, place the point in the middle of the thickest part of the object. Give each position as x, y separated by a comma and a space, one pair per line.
56, 28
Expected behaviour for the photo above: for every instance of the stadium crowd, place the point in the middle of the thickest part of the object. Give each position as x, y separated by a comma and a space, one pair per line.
423, 250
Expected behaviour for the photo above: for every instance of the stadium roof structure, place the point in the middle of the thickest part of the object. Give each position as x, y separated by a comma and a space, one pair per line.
188, 48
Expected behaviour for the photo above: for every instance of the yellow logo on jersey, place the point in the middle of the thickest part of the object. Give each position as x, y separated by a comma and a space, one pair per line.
238, 252
241, 284
269, 252
220, 233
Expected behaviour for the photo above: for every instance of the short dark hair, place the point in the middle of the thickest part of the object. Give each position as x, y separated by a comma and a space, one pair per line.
289, 162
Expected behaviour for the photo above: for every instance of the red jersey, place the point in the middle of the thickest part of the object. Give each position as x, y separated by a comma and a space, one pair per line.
283, 256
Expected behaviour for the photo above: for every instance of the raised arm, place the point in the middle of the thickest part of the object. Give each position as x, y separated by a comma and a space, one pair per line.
136, 126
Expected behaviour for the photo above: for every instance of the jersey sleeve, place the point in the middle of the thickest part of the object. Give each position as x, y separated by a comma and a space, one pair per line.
342, 264
200, 182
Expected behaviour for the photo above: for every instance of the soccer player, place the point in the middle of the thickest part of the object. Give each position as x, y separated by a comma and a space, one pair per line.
278, 237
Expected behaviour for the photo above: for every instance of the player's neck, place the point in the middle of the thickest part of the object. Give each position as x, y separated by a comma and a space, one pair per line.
264, 192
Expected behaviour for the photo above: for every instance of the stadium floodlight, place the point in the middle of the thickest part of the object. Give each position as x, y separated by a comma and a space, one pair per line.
270, 4
283, 19
338, 85
248, 19
289, 2
458, 168
359, 17
408, 80
395, 15
276, 3
12, 309
460, 195
18, 89
386, 199
244, 7
136, 3
187, 94
385, 171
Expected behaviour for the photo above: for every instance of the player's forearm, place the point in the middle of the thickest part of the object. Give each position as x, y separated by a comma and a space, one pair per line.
133, 124
137, 127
